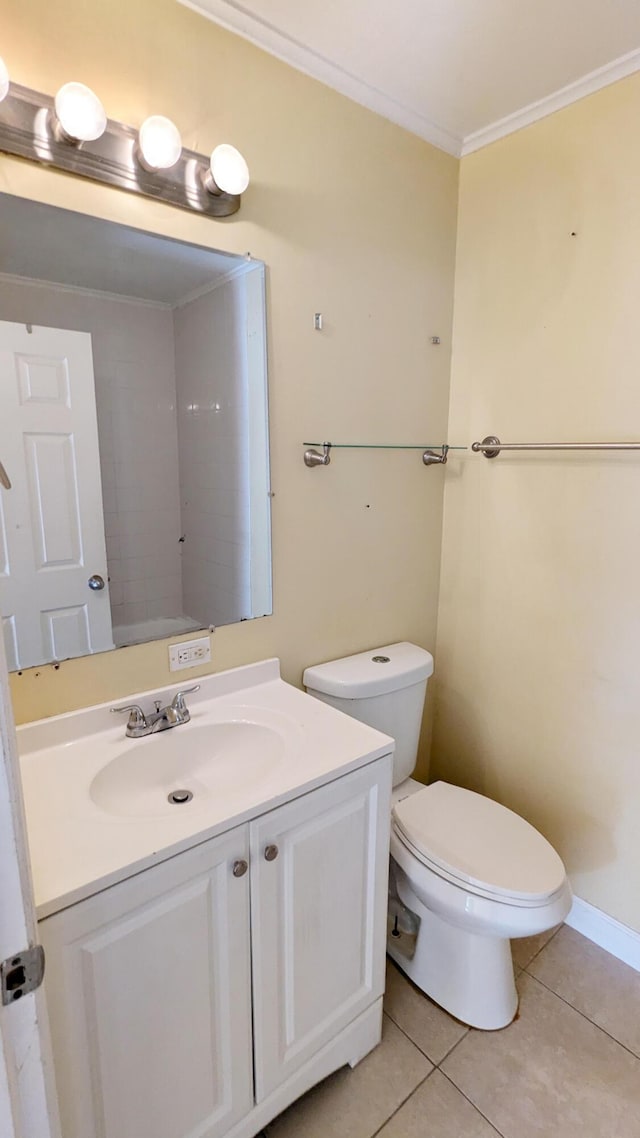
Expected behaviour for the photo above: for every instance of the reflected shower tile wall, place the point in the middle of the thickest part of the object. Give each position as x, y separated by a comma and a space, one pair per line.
146, 466
211, 385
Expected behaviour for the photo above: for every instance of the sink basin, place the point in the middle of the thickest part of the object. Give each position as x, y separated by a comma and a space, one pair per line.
208, 761
253, 742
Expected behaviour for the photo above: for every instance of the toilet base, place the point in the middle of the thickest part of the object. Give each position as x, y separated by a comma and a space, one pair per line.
468, 974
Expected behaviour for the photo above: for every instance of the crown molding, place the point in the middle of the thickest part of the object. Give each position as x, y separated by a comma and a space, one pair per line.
235, 18
232, 16
602, 77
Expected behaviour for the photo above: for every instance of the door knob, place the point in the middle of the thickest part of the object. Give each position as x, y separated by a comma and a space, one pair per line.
270, 853
96, 582
240, 867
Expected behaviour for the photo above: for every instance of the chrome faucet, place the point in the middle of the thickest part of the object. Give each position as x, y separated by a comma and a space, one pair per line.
161, 719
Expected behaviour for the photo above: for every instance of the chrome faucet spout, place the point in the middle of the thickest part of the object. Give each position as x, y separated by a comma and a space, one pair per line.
164, 718
161, 719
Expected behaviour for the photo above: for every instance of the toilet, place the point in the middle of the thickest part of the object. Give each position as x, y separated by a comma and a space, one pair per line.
466, 874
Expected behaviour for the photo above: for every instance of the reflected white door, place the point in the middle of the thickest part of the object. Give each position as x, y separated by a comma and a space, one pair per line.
51, 521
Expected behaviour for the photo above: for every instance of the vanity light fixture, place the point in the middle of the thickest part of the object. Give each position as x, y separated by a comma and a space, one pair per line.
71, 132
159, 143
4, 80
78, 114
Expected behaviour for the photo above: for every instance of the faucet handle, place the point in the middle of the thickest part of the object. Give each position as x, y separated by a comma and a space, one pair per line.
178, 703
137, 717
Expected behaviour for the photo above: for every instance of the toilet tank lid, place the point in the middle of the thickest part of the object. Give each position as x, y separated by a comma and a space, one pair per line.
372, 673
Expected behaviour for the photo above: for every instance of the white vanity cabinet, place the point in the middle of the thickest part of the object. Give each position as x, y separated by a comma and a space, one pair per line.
149, 998
318, 914
200, 997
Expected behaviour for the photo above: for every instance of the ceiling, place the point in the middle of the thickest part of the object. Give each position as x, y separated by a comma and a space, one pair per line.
451, 71
49, 244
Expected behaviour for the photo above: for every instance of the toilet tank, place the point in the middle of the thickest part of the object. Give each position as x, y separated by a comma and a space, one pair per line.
385, 688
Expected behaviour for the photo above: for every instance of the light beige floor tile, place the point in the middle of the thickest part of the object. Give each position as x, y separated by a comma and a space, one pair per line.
550, 1073
598, 985
355, 1103
431, 1029
524, 948
437, 1110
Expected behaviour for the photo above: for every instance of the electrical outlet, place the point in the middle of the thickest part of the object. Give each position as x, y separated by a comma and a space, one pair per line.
189, 653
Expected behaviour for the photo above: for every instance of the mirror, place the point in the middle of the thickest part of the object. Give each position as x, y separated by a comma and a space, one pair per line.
134, 429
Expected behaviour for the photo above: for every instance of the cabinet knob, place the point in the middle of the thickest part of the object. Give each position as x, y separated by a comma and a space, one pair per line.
240, 867
270, 853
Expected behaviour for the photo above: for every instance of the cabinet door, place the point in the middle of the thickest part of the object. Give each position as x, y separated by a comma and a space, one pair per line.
148, 987
318, 911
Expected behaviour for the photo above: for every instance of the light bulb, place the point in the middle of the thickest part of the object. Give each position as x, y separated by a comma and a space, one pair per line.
229, 171
159, 143
4, 80
80, 113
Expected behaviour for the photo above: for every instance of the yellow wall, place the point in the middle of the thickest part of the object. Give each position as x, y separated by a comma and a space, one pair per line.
354, 218
539, 627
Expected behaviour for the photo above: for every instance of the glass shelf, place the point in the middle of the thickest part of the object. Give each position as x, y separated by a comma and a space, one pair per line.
385, 446
433, 454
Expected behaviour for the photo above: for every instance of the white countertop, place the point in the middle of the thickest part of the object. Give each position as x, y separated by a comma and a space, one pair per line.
78, 848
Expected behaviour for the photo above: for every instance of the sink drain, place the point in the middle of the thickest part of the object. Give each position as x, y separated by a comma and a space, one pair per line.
177, 797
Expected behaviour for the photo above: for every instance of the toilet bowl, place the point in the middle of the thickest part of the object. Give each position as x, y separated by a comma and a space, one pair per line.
466, 874
491, 878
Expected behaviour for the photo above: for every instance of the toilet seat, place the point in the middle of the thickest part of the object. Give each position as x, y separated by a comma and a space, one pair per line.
479, 845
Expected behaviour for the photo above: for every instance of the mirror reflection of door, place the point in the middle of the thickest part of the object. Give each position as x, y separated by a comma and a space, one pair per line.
51, 523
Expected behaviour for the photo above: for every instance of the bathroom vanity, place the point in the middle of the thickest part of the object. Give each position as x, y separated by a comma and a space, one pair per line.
208, 961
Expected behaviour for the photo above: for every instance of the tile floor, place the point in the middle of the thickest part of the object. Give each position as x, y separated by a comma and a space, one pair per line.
568, 1067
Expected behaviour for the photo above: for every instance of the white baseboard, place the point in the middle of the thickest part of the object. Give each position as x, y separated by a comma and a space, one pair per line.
610, 934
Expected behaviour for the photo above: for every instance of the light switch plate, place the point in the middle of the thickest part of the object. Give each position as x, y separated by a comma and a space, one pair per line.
189, 654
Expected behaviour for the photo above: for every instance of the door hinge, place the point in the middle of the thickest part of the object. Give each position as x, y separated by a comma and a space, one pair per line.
21, 973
